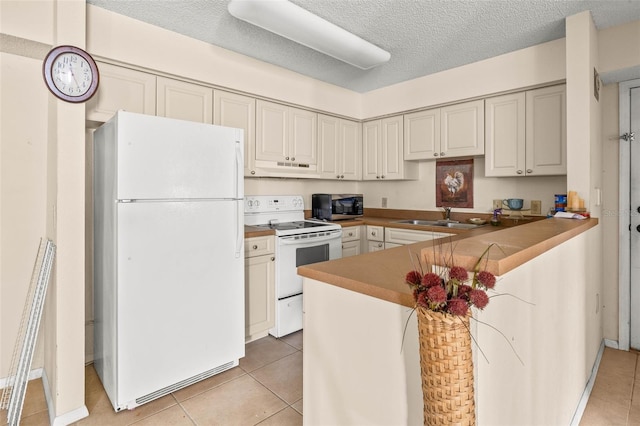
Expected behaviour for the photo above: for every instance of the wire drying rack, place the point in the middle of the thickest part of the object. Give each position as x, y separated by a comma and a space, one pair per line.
14, 392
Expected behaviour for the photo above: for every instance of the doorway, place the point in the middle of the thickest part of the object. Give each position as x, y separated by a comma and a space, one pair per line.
629, 217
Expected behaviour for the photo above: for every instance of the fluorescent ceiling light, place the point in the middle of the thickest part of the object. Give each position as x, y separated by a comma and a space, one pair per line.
295, 23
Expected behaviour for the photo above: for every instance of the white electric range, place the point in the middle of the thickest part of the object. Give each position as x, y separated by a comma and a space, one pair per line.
299, 241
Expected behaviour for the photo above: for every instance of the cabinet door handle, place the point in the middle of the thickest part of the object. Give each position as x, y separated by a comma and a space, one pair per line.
382, 176
519, 172
273, 258
442, 154
287, 158
253, 172
435, 154
293, 158
255, 247
529, 171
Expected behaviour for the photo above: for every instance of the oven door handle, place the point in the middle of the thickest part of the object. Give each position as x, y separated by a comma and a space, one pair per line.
291, 240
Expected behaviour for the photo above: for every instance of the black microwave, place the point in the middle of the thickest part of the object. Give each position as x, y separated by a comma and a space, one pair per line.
337, 206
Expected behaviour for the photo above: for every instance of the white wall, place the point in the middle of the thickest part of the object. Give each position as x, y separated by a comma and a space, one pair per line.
42, 193
23, 189
610, 211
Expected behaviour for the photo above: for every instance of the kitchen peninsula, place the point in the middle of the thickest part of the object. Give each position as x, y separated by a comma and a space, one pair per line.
535, 347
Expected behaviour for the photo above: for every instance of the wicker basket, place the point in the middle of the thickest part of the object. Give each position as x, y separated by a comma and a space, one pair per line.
447, 368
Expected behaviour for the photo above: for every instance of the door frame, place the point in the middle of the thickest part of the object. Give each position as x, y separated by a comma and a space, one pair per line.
624, 217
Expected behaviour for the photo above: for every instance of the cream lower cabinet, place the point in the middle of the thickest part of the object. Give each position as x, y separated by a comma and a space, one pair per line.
122, 88
339, 148
396, 237
526, 133
375, 238
259, 287
351, 241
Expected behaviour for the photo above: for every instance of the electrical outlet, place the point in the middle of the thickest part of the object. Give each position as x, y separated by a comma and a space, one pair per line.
497, 204
536, 207
384, 202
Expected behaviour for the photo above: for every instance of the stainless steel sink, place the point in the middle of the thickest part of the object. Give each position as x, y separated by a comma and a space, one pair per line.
421, 222
444, 223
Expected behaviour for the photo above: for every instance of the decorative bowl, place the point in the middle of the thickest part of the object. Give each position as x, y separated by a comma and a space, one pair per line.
477, 221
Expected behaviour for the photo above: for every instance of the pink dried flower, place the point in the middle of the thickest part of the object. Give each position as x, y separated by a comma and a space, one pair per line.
413, 277
457, 306
458, 273
422, 300
430, 279
437, 294
479, 298
463, 290
486, 278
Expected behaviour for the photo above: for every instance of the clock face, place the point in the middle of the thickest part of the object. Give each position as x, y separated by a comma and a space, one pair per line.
71, 74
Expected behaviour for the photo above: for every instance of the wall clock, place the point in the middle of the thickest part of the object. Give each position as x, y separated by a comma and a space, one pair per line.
70, 73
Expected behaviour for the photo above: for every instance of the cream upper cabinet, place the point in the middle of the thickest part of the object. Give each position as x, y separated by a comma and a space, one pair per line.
546, 131
451, 131
286, 134
233, 110
505, 135
462, 129
184, 101
122, 88
383, 148
422, 135
526, 133
339, 148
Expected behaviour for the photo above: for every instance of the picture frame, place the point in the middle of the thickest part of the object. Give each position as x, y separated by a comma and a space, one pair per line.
454, 183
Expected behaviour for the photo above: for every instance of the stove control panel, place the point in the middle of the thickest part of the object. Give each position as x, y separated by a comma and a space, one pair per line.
273, 203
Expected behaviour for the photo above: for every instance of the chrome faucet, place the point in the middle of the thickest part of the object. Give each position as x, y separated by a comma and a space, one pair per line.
447, 213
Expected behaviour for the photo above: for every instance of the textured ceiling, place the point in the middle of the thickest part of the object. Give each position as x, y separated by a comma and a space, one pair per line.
423, 36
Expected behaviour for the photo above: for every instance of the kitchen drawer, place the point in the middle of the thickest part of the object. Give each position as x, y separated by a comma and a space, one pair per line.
351, 233
375, 233
375, 246
259, 246
407, 236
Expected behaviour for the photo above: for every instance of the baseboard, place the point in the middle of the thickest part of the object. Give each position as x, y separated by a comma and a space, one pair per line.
36, 373
67, 418
613, 344
577, 416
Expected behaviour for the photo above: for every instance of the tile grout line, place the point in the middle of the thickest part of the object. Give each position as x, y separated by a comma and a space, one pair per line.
633, 388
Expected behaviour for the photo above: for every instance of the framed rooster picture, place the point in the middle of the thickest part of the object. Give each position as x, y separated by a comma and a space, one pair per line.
454, 183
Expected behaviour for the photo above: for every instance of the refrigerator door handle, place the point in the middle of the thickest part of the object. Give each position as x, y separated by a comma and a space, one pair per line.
239, 170
239, 227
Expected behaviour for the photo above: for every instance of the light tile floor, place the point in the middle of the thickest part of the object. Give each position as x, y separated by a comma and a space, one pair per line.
265, 389
615, 397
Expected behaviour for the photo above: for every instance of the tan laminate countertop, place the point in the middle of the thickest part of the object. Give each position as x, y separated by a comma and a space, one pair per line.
381, 274
252, 231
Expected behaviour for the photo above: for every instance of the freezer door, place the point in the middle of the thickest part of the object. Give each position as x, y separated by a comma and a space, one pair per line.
180, 293
163, 158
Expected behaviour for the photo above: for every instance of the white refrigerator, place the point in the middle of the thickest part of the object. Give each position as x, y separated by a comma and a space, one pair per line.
168, 255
